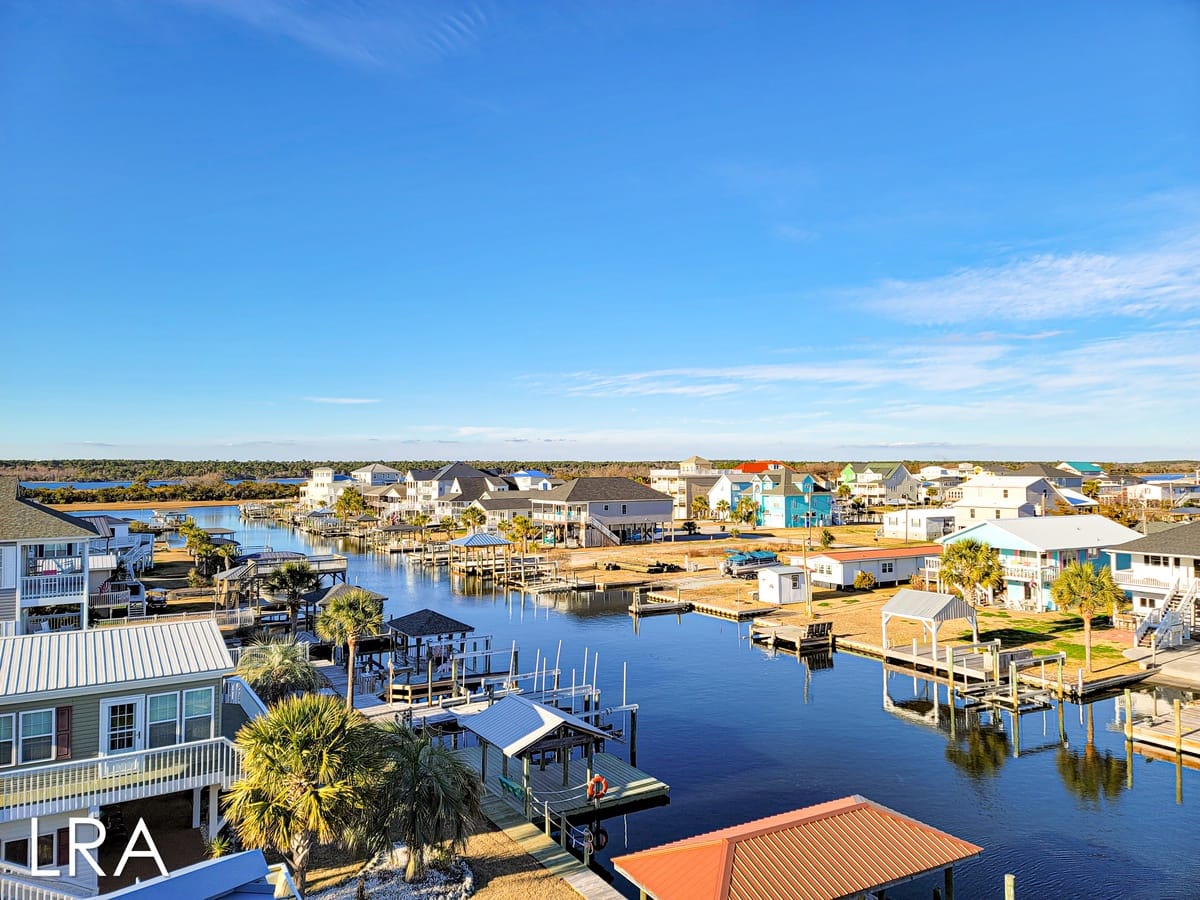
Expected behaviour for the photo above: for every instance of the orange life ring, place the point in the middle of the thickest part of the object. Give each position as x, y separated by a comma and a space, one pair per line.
597, 787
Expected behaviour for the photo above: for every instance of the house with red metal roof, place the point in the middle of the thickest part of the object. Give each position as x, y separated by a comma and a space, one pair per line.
851, 847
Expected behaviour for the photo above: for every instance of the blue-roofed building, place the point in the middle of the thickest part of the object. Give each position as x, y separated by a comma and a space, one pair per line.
1086, 470
531, 480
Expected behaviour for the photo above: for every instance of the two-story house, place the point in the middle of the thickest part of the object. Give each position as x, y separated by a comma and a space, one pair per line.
879, 483
788, 499
1160, 573
45, 565
1056, 476
1034, 550
322, 490
692, 478
725, 493
987, 497
531, 480
375, 475
94, 718
465, 490
592, 512
424, 487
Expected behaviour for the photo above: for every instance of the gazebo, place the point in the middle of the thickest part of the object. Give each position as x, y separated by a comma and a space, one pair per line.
929, 608
519, 728
480, 546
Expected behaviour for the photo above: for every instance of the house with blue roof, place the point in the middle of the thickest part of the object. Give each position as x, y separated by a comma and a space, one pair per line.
531, 480
1087, 470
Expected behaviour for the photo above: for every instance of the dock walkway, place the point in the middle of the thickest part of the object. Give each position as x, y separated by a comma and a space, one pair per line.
550, 855
1160, 731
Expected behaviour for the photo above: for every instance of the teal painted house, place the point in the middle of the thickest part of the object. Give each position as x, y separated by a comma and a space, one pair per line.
1033, 550
788, 499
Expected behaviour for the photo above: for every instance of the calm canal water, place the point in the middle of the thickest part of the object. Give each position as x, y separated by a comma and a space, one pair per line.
740, 734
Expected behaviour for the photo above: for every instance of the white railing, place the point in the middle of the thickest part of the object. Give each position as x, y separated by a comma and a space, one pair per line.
108, 599
232, 618
1126, 576
102, 560
15, 887
48, 790
56, 622
1030, 573
237, 691
37, 587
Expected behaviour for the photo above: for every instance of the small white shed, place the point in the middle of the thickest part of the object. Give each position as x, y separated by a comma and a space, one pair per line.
781, 584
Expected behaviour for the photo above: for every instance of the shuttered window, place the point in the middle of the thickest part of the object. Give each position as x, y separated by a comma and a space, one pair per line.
8, 741
62, 732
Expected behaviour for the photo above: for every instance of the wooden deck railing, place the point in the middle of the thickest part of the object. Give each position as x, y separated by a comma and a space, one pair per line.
47, 790
44, 586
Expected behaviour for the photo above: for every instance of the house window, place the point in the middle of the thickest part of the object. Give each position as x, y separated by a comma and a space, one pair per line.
8, 744
886, 567
197, 714
972, 513
1006, 493
37, 736
17, 852
45, 850
624, 509
162, 720
997, 514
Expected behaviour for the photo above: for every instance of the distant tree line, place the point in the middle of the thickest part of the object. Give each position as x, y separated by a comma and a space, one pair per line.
205, 487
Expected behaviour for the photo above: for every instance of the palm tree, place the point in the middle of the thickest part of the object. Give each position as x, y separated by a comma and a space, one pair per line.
428, 796
523, 529
421, 521
722, 509
447, 523
746, 511
349, 503
229, 553
700, 507
309, 767
350, 616
1083, 588
276, 669
969, 566
294, 579
473, 517
844, 491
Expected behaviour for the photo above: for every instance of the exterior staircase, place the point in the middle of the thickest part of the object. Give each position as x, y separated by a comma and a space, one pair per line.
604, 531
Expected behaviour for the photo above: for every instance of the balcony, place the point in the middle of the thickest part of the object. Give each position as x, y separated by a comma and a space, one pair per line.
66, 787
36, 589
1047, 572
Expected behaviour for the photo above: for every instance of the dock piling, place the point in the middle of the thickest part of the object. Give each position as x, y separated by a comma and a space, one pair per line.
1128, 714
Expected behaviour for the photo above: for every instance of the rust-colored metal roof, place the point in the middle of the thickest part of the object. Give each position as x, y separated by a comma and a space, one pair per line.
878, 553
823, 852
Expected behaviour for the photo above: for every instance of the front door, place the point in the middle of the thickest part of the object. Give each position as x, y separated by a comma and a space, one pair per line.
121, 729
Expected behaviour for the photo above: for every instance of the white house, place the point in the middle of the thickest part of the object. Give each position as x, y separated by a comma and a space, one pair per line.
1161, 572
1163, 490
987, 497
506, 506
692, 478
375, 475
323, 489
727, 490
781, 584
423, 487
531, 480
881, 482
592, 512
838, 568
916, 523
45, 565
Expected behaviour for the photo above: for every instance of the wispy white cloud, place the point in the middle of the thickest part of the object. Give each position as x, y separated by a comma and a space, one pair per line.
1142, 283
363, 32
794, 234
343, 401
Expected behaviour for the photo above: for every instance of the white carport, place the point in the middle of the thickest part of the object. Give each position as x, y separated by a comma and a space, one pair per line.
929, 608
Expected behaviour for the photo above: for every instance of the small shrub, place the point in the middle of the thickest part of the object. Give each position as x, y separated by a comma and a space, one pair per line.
826, 539
735, 533
195, 579
917, 583
864, 581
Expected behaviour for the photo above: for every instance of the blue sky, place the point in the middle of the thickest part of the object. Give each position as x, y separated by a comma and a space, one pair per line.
572, 230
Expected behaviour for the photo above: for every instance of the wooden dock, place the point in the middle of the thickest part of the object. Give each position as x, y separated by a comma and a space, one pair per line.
811, 636
1182, 736
736, 612
626, 784
659, 607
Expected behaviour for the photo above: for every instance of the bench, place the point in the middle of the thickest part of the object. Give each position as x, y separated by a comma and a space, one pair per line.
508, 786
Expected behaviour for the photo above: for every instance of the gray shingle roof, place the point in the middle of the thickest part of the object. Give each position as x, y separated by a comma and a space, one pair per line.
582, 490
22, 519
425, 622
1042, 470
1181, 541
509, 500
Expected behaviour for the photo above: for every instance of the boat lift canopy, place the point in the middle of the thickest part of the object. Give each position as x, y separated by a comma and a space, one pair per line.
929, 608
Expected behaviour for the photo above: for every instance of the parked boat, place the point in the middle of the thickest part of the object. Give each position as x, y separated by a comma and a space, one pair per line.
744, 565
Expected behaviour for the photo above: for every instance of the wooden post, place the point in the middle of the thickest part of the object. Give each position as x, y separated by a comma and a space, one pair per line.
1128, 715
1178, 728
546, 815
633, 738
525, 785
391, 678
429, 684
1010, 887
948, 882
1012, 683
950, 666
1060, 677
